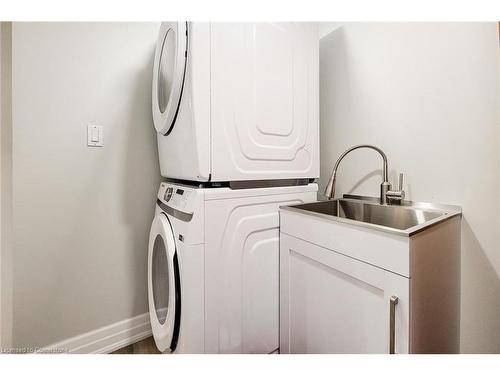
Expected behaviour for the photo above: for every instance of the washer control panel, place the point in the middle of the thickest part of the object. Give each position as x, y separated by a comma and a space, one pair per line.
180, 197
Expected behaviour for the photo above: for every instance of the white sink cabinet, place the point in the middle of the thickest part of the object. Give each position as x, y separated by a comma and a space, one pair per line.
340, 281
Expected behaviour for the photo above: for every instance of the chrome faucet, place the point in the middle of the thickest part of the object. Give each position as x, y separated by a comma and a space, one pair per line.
386, 194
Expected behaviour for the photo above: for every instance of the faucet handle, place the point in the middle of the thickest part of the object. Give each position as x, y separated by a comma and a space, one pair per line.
396, 196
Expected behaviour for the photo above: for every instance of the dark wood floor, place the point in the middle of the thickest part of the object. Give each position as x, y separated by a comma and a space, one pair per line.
146, 346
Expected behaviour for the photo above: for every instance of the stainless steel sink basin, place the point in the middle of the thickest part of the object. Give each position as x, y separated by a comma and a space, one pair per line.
406, 219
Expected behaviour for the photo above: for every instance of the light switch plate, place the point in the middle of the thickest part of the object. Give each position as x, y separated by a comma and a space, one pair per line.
95, 136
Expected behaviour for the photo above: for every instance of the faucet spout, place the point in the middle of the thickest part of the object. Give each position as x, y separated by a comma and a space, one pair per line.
384, 187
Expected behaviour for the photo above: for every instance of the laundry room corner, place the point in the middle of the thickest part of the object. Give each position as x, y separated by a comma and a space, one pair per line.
236, 192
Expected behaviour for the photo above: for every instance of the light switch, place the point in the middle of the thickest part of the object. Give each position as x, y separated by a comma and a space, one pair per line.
95, 136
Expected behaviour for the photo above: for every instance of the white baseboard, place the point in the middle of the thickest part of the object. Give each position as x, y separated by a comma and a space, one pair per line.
106, 339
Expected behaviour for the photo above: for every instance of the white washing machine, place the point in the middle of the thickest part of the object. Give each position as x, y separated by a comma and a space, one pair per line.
237, 101
176, 269
213, 267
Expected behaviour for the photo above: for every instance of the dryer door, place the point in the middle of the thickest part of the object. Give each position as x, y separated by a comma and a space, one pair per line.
168, 74
163, 285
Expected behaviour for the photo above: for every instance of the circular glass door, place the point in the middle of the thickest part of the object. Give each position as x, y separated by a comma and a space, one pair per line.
168, 74
163, 284
166, 69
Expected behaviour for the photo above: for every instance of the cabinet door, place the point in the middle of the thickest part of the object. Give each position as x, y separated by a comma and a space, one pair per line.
331, 303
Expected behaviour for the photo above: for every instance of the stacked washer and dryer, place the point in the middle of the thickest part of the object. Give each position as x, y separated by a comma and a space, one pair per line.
235, 107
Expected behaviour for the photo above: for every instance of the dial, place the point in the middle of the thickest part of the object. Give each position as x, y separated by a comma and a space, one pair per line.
168, 193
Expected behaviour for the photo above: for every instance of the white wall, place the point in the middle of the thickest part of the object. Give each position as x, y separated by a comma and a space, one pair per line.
5, 186
427, 94
81, 215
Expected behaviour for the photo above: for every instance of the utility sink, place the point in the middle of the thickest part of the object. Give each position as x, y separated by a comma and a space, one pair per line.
358, 276
405, 219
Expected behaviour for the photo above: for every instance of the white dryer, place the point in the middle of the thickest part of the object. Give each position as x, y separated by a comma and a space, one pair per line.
213, 267
237, 101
